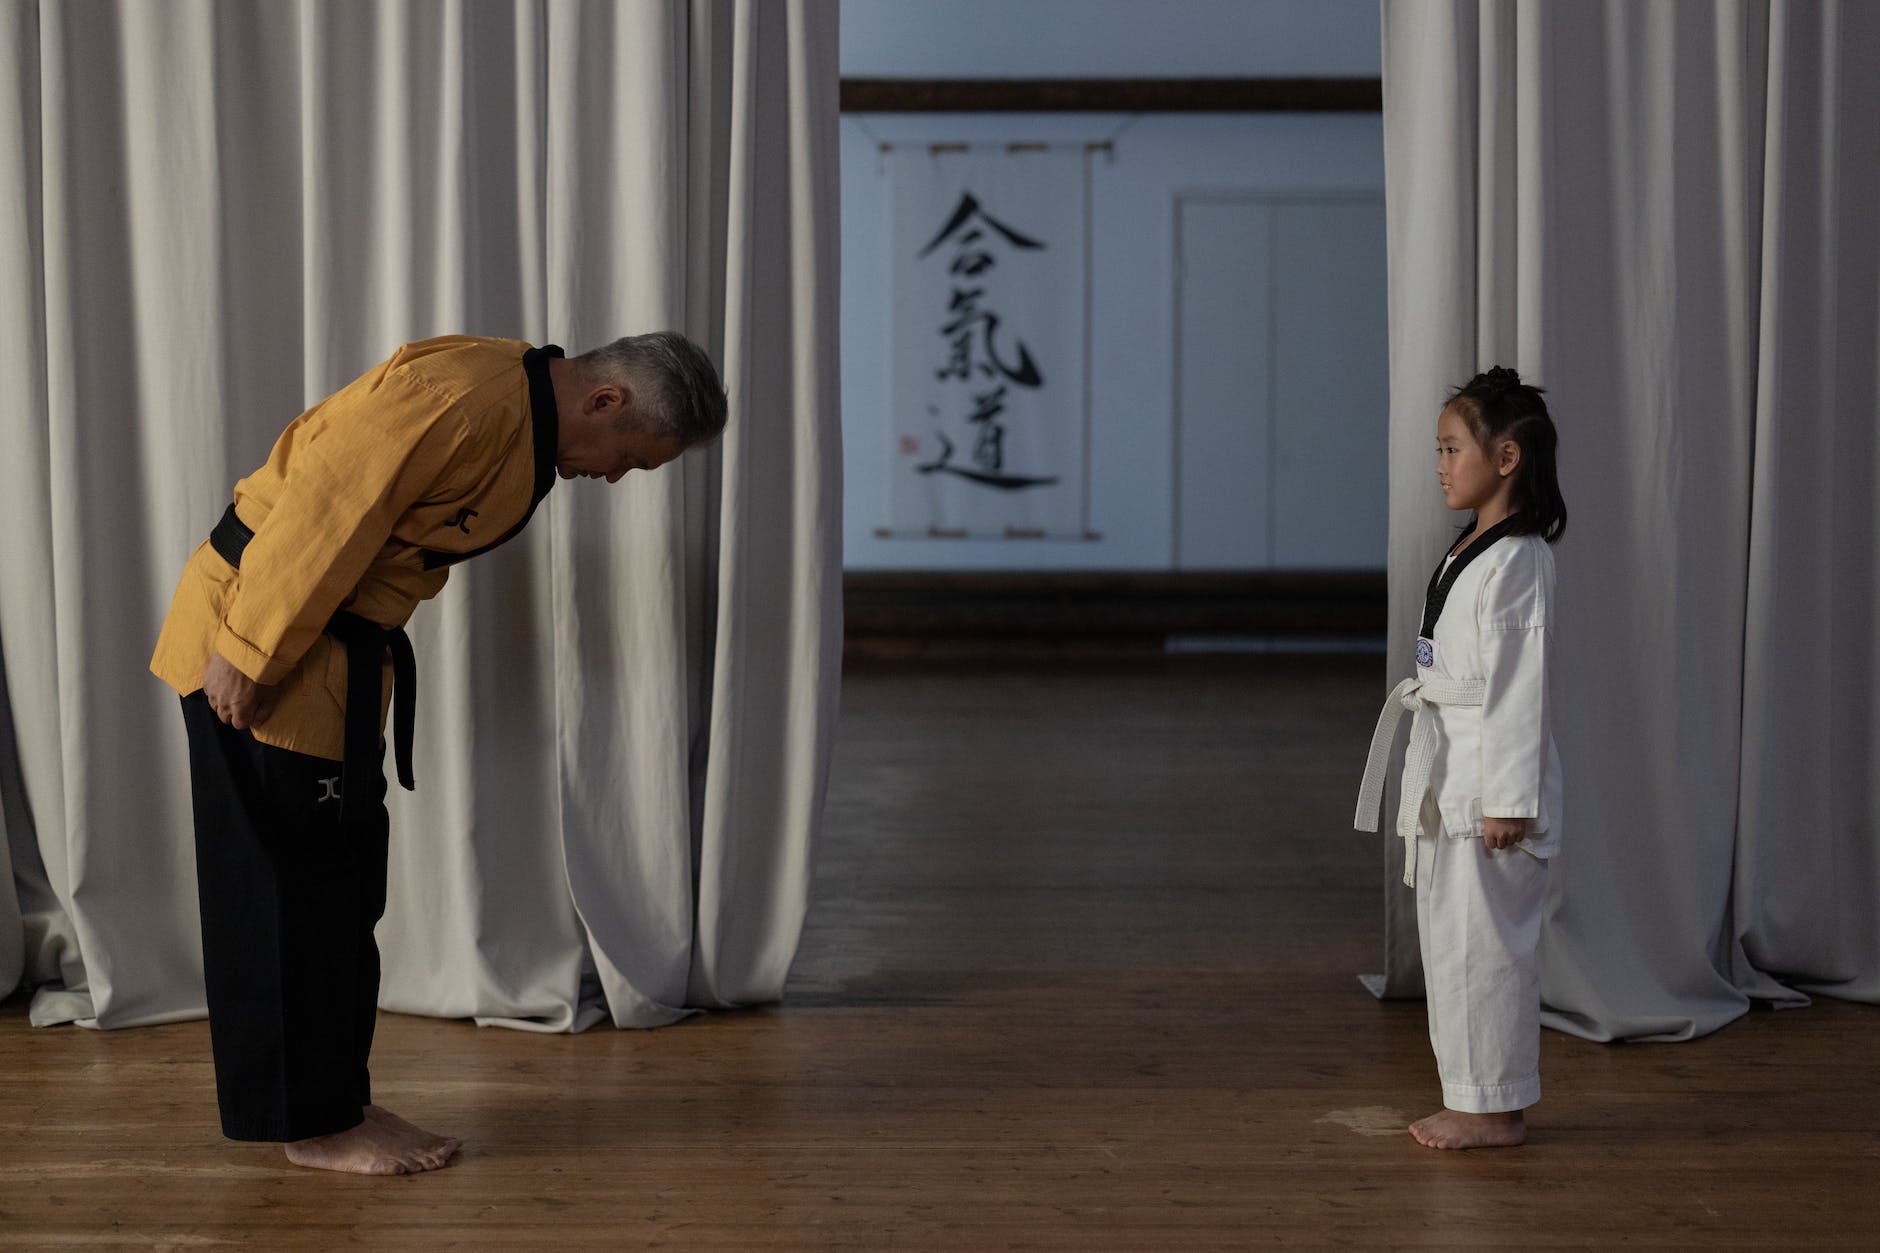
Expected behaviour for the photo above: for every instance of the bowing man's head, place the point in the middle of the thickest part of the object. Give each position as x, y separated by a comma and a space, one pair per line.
635, 404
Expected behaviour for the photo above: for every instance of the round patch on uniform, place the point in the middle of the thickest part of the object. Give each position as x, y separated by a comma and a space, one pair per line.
1426, 653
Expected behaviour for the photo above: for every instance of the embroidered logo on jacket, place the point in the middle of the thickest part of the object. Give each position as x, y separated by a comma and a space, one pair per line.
462, 520
1426, 653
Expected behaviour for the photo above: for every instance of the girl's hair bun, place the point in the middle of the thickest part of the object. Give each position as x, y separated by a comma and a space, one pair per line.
1501, 378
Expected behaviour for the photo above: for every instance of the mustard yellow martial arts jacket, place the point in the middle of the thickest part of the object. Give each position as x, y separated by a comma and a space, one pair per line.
437, 454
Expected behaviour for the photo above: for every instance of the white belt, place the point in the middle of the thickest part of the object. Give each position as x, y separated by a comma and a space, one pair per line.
1411, 694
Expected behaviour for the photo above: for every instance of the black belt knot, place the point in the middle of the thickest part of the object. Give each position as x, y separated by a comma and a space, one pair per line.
365, 642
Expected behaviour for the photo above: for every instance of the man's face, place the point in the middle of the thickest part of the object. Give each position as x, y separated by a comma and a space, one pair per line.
606, 440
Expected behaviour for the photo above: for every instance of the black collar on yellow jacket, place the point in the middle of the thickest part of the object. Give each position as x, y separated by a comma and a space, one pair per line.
545, 421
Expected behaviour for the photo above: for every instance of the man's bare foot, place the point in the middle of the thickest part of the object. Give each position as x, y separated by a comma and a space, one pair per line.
434, 1150
1452, 1129
367, 1149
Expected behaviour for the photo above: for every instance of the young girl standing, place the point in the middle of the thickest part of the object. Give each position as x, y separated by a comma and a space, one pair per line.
1481, 804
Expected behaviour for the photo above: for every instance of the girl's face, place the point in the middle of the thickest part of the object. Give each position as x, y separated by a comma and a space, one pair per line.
1470, 480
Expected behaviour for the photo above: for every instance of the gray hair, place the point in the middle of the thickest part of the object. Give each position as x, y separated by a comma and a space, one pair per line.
675, 387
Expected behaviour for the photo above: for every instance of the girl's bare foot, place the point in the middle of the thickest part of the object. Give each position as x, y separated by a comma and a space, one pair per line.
433, 1150
1452, 1129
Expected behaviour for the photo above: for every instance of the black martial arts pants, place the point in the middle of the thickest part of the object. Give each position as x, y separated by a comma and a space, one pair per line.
289, 897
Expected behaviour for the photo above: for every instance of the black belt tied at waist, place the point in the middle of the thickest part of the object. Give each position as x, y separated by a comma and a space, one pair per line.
365, 642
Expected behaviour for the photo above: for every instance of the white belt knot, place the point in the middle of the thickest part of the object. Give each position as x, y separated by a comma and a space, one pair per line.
1412, 694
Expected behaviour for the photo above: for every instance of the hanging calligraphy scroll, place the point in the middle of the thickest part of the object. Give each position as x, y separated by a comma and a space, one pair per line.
989, 404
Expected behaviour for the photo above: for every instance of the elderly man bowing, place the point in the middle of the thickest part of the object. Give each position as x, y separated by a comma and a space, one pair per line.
285, 641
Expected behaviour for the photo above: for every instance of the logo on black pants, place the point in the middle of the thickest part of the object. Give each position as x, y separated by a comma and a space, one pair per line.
332, 790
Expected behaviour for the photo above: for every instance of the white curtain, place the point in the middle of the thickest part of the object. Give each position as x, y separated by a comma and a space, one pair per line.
1665, 213
214, 213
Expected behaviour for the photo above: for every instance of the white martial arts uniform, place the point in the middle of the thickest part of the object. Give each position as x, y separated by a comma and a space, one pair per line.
1481, 746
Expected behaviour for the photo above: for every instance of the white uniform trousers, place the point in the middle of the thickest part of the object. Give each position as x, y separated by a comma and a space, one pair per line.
1478, 922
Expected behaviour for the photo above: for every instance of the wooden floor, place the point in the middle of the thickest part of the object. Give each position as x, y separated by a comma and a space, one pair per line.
1079, 974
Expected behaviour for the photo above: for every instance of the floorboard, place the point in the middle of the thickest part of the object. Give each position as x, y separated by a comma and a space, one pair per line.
1080, 973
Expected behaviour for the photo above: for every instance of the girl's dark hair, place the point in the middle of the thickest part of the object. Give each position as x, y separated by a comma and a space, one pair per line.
1497, 405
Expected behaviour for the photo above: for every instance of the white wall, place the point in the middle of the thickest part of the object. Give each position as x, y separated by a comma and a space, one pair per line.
1282, 381
1159, 161
1110, 38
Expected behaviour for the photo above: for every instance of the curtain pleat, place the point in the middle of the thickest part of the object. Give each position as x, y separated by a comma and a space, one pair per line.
1661, 235
34, 927
777, 660
1808, 842
225, 211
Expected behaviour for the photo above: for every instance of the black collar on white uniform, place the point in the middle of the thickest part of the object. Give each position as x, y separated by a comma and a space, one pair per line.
1442, 580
